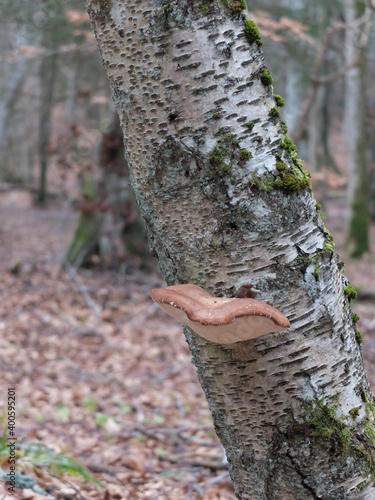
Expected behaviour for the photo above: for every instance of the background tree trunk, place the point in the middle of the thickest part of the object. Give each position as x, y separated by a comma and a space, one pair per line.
110, 225
48, 73
8, 101
294, 410
355, 133
359, 224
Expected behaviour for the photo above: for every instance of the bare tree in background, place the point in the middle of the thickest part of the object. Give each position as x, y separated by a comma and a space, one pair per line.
110, 225
355, 130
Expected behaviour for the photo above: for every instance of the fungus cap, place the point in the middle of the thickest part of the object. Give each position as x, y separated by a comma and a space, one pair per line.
220, 320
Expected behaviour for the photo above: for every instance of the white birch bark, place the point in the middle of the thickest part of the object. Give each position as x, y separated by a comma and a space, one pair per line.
281, 404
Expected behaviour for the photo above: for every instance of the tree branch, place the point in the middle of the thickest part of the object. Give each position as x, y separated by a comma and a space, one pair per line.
316, 80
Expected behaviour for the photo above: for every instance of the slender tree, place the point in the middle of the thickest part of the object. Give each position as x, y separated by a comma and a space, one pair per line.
12, 93
355, 133
48, 74
56, 28
227, 202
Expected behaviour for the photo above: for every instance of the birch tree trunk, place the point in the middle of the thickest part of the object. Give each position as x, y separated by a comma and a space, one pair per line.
227, 202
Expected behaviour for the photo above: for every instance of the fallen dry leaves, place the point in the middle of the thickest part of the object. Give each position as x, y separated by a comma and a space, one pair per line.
111, 386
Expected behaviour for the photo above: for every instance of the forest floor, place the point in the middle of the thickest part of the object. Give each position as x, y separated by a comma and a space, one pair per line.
105, 378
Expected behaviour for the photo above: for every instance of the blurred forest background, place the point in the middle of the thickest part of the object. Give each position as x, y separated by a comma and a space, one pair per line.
105, 385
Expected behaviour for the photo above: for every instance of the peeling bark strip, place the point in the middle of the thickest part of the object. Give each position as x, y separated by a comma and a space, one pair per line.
227, 203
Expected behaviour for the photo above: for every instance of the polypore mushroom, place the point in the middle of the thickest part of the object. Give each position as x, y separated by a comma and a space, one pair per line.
219, 320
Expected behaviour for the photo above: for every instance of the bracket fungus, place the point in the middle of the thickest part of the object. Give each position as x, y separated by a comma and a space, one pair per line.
220, 320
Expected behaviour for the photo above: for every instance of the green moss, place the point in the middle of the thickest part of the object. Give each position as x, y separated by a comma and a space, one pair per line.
326, 429
281, 167
354, 412
252, 33
262, 184
350, 292
266, 78
329, 246
369, 425
250, 125
216, 116
227, 142
217, 161
370, 431
206, 7
166, 9
318, 206
290, 151
288, 179
222, 154
355, 317
280, 102
362, 486
346, 368
293, 179
289, 147
245, 155
284, 128
332, 433
237, 6
317, 270
370, 408
326, 433
358, 337
226, 169
274, 112
328, 234
291, 182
